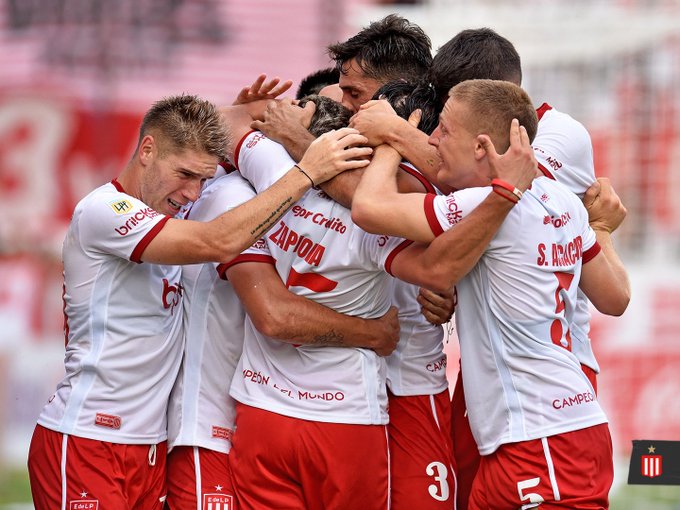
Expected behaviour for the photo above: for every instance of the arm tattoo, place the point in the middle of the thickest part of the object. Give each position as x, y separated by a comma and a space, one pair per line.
331, 338
269, 221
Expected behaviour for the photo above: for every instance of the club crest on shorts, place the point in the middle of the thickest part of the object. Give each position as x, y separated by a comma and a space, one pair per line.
218, 502
84, 504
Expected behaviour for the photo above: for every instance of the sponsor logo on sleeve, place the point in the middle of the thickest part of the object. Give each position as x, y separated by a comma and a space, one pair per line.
121, 206
255, 138
455, 213
135, 220
553, 162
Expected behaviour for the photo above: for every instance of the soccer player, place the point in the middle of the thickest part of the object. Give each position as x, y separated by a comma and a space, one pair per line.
423, 471
314, 399
420, 451
564, 151
100, 440
533, 413
201, 412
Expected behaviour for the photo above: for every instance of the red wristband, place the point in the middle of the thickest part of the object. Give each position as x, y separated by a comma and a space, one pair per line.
504, 196
512, 189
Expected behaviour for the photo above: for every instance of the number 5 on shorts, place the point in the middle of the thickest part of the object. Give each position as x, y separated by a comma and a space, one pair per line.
533, 498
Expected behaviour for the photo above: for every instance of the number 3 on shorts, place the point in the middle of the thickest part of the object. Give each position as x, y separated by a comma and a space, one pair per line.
533, 498
439, 471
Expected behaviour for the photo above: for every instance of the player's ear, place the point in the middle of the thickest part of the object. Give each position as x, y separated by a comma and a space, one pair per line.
480, 150
147, 149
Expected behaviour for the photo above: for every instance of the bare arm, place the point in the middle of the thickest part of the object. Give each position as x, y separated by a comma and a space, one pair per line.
281, 314
604, 279
379, 208
412, 144
449, 257
222, 239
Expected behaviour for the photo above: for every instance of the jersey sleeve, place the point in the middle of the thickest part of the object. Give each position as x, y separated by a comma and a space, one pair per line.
382, 249
261, 160
445, 211
258, 252
564, 151
224, 194
118, 224
590, 245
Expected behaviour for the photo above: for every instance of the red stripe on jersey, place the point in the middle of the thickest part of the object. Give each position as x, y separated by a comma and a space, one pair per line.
540, 111
117, 185
141, 245
429, 188
395, 252
247, 257
227, 166
311, 281
431, 216
237, 150
591, 252
546, 172
188, 211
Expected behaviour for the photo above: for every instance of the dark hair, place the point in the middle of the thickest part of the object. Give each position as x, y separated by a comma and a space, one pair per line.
388, 49
491, 106
329, 114
313, 83
185, 122
474, 54
405, 97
